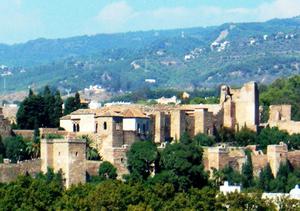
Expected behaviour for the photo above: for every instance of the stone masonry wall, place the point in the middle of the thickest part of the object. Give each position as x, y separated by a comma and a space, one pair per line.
92, 167
280, 113
10, 172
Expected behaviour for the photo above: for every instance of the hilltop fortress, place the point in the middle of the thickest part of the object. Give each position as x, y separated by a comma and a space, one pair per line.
113, 129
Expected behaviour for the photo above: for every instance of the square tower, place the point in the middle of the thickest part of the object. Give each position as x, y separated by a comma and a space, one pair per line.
277, 155
67, 155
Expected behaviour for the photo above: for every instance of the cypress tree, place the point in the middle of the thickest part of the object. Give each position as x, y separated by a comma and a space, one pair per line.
247, 171
265, 178
57, 113
77, 103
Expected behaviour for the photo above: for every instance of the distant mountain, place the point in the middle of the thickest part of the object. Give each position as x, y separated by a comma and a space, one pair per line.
182, 58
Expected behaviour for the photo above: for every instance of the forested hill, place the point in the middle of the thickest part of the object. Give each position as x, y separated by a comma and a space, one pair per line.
232, 53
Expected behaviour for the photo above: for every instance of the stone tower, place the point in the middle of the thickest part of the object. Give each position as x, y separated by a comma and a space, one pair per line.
178, 125
110, 132
241, 106
203, 122
277, 154
159, 127
67, 155
217, 157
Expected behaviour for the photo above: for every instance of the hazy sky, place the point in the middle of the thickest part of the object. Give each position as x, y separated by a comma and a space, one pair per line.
22, 20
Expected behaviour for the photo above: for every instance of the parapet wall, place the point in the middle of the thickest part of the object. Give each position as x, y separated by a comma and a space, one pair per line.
292, 127
294, 158
10, 172
92, 167
280, 113
259, 161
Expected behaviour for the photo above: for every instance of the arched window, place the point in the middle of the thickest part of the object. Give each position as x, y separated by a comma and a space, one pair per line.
96, 127
144, 128
74, 127
105, 125
77, 128
138, 128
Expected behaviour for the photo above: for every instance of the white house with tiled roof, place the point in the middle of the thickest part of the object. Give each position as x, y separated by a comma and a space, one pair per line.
113, 129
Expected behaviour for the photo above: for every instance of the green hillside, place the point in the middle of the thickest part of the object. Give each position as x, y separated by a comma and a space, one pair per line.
232, 53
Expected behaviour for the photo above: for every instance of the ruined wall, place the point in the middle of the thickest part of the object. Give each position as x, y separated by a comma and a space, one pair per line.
129, 138
292, 127
294, 158
10, 172
218, 158
25, 133
259, 161
280, 113
92, 167
120, 160
280, 116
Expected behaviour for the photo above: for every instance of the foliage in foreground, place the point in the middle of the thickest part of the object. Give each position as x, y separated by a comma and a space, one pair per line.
47, 193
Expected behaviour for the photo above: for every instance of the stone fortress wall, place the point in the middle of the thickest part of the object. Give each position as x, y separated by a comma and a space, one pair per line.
221, 156
281, 116
114, 129
10, 171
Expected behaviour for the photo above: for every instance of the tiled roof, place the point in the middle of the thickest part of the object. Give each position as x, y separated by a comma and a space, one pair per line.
66, 117
111, 111
134, 113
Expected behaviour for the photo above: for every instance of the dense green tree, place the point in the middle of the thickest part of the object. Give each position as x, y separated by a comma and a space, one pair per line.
69, 105
15, 148
184, 161
2, 147
283, 91
141, 159
244, 201
107, 171
57, 110
225, 135
39, 110
245, 137
269, 136
281, 181
77, 101
75, 198
73, 104
27, 193
204, 140
31, 112
231, 175
294, 141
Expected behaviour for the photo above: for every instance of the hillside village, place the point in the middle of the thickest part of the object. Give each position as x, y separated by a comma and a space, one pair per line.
113, 129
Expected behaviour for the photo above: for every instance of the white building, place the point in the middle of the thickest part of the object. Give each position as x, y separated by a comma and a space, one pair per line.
226, 188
